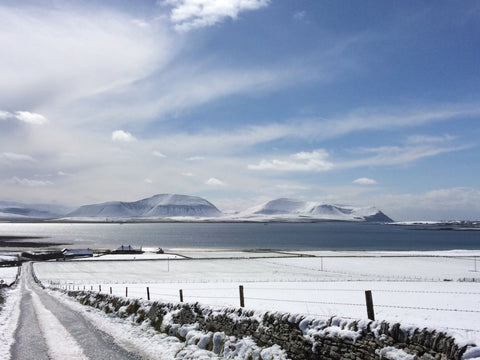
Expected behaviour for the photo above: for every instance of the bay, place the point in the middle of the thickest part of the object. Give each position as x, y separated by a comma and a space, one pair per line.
277, 236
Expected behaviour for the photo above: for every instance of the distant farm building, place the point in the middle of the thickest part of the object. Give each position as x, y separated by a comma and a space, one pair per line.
75, 253
128, 250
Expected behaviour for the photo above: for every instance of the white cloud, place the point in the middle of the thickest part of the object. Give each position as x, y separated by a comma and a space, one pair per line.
29, 182
62, 53
214, 182
158, 154
364, 181
192, 14
4, 115
187, 174
31, 118
302, 161
24, 116
122, 136
148, 181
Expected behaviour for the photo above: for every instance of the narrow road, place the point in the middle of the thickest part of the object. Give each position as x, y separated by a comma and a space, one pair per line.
48, 329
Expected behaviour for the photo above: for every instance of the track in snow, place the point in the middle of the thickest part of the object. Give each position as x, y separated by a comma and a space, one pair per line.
48, 329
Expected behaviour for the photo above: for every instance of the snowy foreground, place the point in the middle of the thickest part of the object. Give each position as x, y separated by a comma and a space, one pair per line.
439, 290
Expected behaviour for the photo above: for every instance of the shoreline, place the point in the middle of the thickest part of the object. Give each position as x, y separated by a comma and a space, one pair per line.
14, 241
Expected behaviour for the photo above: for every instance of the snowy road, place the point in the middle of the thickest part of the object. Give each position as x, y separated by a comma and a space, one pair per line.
48, 329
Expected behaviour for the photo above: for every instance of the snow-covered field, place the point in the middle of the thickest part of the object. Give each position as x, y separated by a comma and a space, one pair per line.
436, 289
8, 274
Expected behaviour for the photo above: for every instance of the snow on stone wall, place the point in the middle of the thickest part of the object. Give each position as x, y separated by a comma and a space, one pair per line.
300, 337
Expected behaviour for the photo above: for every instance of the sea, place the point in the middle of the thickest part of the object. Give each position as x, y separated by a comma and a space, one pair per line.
255, 236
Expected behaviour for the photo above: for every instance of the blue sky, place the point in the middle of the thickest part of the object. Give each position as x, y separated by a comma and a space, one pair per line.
243, 101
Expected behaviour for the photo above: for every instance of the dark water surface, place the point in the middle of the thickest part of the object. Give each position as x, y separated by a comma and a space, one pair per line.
301, 236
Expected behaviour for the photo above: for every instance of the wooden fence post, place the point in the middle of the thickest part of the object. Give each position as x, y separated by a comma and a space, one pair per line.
110, 290
242, 299
99, 288
369, 301
181, 295
148, 293
126, 291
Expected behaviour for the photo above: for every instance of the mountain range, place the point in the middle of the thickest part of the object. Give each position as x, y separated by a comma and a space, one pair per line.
164, 207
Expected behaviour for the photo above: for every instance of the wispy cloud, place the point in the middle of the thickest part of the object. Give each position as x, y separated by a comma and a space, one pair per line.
320, 129
159, 154
193, 14
302, 161
29, 182
13, 157
195, 158
299, 15
364, 181
53, 52
397, 155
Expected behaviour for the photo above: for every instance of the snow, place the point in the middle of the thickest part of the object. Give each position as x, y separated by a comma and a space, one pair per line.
174, 207
392, 353
9, 315
144, 256
8, 274
52, 330
407, 287
158, 206
149, 344
293, 209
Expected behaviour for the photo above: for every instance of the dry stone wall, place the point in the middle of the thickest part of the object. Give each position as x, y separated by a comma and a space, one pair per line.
302, 338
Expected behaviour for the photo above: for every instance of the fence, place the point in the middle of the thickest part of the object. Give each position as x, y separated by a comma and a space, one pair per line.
364, 308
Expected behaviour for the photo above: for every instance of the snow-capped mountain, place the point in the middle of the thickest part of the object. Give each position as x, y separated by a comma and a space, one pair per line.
15, 211
158, 206
183, 207
291, 209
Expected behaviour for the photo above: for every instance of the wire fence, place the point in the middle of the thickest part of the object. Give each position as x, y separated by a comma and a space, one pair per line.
195, 294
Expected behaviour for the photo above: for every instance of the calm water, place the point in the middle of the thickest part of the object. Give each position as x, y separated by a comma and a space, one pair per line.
304, 236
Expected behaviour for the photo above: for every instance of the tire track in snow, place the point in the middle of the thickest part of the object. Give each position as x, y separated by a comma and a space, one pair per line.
52, 331
49, 330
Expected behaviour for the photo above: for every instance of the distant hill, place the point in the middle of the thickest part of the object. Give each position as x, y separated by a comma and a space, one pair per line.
15, 211
158, 206
188, 208
292, 209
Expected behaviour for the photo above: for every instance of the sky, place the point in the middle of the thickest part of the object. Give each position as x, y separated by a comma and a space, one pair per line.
243, 101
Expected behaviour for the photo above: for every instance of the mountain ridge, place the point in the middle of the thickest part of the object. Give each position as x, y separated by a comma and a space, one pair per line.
286, 208
160, 205
176, 207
